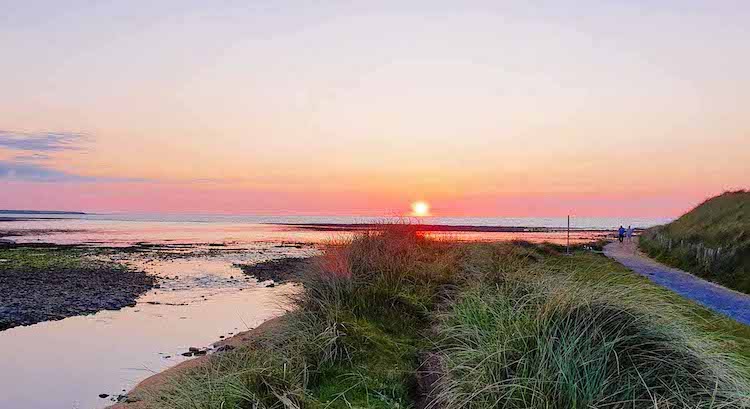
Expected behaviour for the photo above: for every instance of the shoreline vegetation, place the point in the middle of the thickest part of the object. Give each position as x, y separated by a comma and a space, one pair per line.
712, 241
393, 319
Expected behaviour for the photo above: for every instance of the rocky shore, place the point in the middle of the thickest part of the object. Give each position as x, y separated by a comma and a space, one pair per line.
279, 270
51, 283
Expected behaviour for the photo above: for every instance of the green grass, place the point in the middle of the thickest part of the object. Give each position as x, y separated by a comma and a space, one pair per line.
735, 337
579, 332
42, 258
712, 241
513, 325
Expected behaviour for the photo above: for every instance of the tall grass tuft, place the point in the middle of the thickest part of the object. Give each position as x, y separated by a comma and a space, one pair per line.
351, 340
532, 342
245, 378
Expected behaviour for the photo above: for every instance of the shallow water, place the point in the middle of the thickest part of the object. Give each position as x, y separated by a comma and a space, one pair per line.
128, 229
68, 363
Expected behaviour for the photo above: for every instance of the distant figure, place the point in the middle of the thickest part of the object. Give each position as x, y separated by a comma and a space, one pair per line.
629, 233
621, 234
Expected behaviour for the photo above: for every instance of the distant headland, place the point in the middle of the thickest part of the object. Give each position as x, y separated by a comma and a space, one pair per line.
37, 212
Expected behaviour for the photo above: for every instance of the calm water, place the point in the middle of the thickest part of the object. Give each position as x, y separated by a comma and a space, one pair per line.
127, 229
68, 363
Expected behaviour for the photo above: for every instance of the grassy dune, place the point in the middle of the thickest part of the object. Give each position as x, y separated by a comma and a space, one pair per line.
502, 325
712, 241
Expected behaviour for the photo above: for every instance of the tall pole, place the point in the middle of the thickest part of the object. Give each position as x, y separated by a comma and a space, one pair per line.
567, 245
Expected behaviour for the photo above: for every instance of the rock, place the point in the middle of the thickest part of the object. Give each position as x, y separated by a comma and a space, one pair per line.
224, 348
200, 353
187, 354
103, 395
126, 399
270, 285
193, 349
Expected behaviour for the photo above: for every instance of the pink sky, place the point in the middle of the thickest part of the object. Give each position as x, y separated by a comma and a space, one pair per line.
478, 108
147, 197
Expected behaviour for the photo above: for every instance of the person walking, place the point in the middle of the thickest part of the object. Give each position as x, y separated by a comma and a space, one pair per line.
621, 234
629, 233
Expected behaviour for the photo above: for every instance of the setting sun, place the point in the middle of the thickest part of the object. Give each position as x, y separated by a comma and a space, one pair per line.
420, 208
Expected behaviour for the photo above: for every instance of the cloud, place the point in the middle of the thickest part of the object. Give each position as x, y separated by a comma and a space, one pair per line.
39, 173
34, 172
41, 141
34, 157
36, 150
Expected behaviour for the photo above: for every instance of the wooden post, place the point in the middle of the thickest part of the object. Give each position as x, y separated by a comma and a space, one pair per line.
567, 245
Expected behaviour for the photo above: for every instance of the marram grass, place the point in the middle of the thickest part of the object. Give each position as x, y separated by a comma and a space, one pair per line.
532, 342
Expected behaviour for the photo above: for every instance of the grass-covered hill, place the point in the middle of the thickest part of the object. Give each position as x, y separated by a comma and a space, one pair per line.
391, 319
712, 240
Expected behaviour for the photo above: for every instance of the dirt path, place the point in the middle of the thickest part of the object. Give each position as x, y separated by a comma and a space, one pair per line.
713, 296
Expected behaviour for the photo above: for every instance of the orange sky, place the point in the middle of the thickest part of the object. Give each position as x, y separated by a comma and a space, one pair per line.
480, 109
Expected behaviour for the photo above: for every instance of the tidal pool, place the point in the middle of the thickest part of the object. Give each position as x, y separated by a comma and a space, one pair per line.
69, 363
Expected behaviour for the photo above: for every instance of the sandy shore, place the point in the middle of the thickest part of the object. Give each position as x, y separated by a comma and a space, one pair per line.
134, 399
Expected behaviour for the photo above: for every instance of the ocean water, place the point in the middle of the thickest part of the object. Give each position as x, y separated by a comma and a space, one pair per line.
123, 229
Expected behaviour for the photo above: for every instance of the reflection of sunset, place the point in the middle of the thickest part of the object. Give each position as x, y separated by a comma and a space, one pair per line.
420, 209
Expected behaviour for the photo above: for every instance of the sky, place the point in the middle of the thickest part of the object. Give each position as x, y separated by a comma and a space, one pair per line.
590, 108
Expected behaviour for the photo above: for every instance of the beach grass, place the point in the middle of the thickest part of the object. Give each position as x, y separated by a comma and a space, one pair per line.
562, 332
712, 241
509, 325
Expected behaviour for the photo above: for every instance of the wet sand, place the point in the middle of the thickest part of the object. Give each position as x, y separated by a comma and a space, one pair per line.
134, 399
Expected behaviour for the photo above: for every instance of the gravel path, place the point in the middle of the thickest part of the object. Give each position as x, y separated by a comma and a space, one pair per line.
728, 302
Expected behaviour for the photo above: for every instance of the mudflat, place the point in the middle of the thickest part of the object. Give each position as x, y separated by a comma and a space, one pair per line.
43, 283
279, 270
